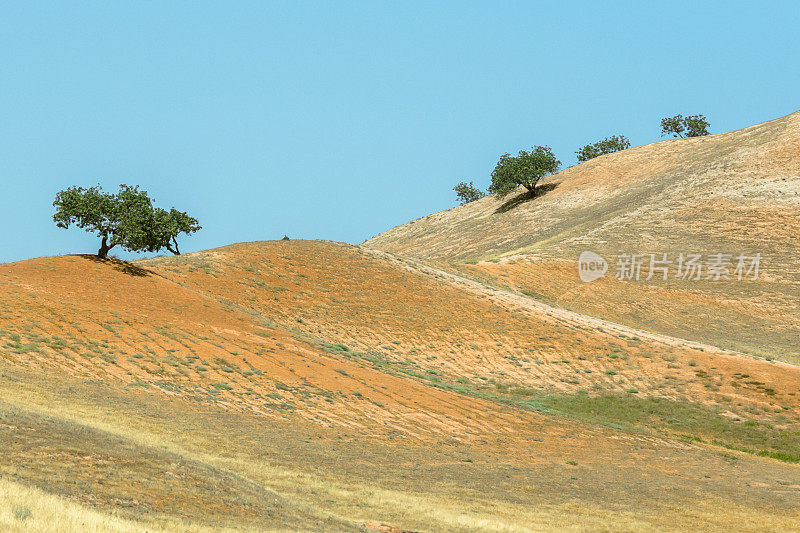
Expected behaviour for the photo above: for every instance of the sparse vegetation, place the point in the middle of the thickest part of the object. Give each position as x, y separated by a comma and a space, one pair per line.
377, 373
609, 145
127, 219
680, 126
467, 192
525, 169
21, 512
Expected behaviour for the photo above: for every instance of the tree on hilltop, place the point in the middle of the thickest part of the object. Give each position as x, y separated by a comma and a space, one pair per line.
609, 145
127, 219
166, 228
680, 126
525, 169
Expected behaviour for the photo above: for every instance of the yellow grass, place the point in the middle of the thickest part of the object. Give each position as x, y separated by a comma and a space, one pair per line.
25, 508
352, 497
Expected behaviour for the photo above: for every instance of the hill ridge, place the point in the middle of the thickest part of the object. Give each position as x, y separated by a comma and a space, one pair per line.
736, 193
306, 368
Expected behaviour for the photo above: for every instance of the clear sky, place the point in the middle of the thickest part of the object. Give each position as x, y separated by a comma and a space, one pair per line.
339, 120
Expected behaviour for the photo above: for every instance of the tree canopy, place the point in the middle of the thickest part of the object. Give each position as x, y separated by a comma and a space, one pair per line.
127, 219
525, 169
615, 143
680, 126
467, 192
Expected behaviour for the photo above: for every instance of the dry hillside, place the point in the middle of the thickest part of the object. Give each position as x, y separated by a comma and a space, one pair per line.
313, 385
732, 193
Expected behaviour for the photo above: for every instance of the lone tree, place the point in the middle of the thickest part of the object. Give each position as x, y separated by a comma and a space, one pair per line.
127, 219
467, 192
680, 126
609, 145
525, 169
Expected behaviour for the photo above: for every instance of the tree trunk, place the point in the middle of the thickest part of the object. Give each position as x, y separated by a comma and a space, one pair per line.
174, 250
102, 253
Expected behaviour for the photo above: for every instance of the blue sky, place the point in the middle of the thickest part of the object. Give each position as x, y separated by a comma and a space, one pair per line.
339, 120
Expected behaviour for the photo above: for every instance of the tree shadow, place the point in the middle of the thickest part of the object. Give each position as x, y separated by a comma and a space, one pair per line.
526, 196
119, 265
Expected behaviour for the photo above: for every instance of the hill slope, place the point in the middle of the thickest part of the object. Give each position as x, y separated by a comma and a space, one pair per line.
320, 385
732, 193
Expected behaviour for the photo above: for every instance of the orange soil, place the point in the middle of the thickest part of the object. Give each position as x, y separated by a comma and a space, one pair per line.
261, 319
255, 316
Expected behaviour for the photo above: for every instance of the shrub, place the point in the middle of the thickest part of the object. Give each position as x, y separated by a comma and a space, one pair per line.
21, 513
467, 192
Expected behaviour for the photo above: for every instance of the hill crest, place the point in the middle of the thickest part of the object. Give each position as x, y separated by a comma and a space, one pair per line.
669, 185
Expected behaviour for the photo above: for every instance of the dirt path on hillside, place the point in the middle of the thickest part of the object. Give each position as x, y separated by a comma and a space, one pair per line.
557, 313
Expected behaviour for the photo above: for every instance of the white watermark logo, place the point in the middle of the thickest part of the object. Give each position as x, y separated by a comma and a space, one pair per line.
689, 267
591, 266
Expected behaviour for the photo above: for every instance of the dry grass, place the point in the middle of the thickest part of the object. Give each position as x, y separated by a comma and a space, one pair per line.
309, 386
736, 192
24, 508
341, 479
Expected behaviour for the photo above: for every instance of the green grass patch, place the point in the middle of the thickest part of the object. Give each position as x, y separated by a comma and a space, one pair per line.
335, 348
693, 422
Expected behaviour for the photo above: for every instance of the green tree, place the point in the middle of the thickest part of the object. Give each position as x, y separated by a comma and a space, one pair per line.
166, 227
525, 169
680, 126
90, 209
696, 126
609, 145
467, 192
127, 219
673, 126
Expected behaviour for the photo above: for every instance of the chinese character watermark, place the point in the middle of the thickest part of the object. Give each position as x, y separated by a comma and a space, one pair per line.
687, 266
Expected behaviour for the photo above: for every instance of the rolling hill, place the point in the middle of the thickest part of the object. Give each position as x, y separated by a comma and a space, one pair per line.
315, 385
732, 193
451, 374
